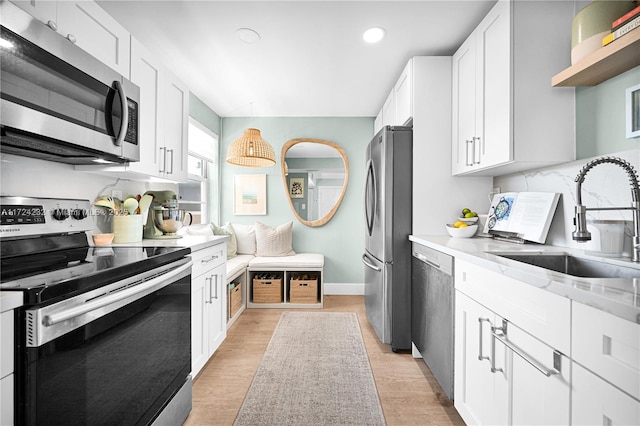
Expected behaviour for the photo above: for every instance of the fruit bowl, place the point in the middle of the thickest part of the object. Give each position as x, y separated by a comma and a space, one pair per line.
469, 220
466, 232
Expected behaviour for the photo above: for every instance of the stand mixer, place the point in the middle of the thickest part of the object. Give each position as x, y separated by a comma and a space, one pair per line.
165, 218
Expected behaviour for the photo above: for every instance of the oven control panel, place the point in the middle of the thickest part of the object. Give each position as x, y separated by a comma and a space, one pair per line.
28, 216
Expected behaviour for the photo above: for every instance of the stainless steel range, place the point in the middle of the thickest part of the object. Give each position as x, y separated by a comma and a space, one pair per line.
104, 335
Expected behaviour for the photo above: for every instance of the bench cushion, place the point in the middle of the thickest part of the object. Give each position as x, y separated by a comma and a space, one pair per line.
300, 260
237, 264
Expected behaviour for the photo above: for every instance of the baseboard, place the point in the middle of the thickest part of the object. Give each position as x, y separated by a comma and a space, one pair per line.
344, 288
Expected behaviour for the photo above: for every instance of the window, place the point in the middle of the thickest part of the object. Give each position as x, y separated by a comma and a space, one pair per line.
200, 194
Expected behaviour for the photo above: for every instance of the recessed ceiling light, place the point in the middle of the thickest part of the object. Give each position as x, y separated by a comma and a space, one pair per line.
247, 35
373, 35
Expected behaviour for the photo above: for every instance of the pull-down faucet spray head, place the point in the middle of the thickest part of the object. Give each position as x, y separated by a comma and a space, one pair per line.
581, 233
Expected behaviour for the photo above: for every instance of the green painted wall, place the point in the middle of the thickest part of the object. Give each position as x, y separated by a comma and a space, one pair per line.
600, 117
342, 239
203, 114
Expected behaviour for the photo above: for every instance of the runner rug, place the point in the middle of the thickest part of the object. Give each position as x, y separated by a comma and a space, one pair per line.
315, 372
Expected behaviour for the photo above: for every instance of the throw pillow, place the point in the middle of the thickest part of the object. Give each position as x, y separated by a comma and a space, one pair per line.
276, 241
232, 244
246, 237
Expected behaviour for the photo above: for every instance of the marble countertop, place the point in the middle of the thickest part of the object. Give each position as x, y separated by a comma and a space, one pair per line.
194, 242
618, 296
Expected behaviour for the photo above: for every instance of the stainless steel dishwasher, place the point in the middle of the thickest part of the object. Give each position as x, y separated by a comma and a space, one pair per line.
432, 310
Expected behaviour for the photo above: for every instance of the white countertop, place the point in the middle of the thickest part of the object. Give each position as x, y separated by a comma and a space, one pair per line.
618, 296
194, 242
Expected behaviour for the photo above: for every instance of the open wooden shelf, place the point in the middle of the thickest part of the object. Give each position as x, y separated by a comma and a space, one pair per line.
609, 61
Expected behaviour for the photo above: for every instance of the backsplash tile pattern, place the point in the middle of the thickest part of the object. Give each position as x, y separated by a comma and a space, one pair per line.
605, 185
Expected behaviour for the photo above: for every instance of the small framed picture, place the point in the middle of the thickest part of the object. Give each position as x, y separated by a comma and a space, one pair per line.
296, 187
633, 111
250, 194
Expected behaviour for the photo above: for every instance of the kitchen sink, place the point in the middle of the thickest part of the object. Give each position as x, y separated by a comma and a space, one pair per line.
573, 265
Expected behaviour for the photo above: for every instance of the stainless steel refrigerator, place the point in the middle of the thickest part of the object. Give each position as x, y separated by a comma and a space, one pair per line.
387, 256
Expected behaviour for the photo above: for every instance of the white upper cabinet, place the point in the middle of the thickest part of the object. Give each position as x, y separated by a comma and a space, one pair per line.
389, 110
176, 128
398, 107
88, 26
506, 117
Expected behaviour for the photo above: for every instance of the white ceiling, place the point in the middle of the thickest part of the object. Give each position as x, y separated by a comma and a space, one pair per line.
311, 60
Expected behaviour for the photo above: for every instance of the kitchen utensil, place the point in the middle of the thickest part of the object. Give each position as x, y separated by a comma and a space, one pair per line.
105, 202
130, 205
145, 202
170, 220
127, 228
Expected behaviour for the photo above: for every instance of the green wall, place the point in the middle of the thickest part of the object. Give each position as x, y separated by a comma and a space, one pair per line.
600, 117
203, 114
342, 239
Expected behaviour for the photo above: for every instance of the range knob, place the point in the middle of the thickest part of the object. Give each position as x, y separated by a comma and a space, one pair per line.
79, 214
60, 214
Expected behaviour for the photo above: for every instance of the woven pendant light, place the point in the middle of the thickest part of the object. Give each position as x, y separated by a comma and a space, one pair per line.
250, 150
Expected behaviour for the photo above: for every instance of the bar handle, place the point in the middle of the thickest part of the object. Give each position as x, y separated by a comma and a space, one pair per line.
480, 321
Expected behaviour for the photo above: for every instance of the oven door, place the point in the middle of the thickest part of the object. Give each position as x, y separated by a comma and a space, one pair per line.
58, 102
115, 355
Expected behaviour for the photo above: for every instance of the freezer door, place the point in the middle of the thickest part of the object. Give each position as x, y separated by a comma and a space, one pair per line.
376, 296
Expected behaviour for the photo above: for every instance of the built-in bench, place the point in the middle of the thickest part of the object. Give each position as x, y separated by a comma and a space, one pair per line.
294, 280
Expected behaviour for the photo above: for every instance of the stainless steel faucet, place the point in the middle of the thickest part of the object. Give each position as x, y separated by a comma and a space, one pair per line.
581, 233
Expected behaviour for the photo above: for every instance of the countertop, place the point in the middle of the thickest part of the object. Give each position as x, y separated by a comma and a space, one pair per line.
618, 296
194, 242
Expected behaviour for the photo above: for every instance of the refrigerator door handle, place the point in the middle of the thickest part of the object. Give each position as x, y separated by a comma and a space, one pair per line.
369, 265
370, 186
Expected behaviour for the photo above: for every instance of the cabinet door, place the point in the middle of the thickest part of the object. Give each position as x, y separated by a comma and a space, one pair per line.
42, 10
6, 400
218, 308
478, 391
389, 111
464, 106
174, 155
536, 399
148, 73
596, 402
493, 102
377, 123
199, 323
403, 94
95, 31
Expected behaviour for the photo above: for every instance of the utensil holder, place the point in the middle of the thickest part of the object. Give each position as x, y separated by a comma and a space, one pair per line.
127, 229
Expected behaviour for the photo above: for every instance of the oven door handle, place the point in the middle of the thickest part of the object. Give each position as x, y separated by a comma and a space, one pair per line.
108, 299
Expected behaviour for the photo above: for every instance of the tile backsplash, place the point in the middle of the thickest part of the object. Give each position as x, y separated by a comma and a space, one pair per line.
606, 185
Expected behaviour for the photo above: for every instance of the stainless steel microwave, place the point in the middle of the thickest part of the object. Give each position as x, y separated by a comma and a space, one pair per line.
58, 102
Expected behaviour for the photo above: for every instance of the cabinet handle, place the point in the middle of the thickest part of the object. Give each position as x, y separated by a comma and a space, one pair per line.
52, 25
163, 151
171, 172
215, 286
480, 321
476, 138
502, 337
209, 259
71, 38
466, 151
205, 280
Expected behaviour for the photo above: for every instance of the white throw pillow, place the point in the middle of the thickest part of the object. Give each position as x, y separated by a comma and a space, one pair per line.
246, 238
232, 244
271, 242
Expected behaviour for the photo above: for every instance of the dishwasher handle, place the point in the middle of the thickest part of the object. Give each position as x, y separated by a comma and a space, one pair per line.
424, 259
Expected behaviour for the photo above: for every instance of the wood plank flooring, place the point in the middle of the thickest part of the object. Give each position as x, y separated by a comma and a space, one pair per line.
408, 392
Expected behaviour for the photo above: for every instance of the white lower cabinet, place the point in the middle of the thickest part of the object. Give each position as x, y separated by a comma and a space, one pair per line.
596, 402
506, 372
208, 304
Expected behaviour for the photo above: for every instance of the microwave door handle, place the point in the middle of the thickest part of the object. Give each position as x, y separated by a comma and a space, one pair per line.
125, 113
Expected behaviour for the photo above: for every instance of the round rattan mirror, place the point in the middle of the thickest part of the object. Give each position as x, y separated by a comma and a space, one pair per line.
315, 173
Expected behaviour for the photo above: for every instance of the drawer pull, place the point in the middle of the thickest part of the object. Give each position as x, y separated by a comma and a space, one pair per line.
502, 337
209, 259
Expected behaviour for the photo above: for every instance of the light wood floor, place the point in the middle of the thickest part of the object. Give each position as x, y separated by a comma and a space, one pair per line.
408, 392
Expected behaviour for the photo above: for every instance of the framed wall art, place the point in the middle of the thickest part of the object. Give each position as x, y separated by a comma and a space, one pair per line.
296, 187
250, 194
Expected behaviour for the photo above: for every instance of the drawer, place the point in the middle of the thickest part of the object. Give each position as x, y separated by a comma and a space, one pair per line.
206, 259
545, 315
607, 345
596, 402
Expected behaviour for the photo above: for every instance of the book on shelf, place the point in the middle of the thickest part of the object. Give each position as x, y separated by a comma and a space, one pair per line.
625, 18
625, 29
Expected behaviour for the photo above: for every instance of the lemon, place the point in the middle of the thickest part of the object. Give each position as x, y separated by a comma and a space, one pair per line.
460, 224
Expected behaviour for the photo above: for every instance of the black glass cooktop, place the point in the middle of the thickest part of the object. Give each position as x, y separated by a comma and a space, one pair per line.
61, 273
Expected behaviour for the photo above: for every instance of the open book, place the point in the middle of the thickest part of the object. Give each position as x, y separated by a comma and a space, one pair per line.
521, 215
